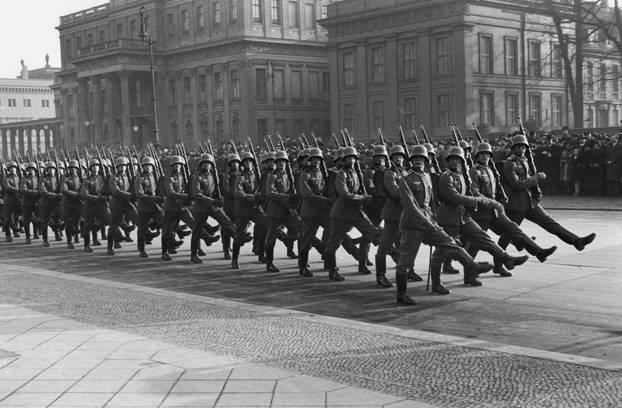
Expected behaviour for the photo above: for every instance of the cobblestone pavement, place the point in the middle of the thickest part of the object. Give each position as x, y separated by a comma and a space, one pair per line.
549, 336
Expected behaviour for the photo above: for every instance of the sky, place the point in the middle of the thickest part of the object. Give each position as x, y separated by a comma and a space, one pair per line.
27, 30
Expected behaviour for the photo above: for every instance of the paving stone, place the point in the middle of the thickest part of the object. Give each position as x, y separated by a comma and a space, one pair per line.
253, 386
48, 386
190, 400
148, 386
200, 386
126, 399
29, 399
82, 399
87, 385
295, 399
244, 400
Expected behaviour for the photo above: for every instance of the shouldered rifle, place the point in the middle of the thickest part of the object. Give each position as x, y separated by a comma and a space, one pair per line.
495, 172
403, 141
57, 168
79, 163
384, 143
415, 136
337, 145
433, 159
530, 161
323, 168
255, 164
265, 141
131, 166
288, 168
105, 169
235, 148
343, 137
467, 155
210, 150
304, 137
464, 169
357, 164
271, 143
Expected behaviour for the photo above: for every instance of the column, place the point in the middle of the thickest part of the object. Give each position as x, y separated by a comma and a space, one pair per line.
425, 100
83, 118
28, 142
196, 132
247, 98
97, 126
110, 118
393, 96
333, 64
126, 125
363, 119
179, 117
3, 144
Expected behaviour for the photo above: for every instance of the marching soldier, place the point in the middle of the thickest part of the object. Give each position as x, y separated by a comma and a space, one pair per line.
486, 184
418, 225
315, 205
521, 185
96, 211
455, 197
267, 168
12, 204
206, 203
148, 196
29, 189
70, 188
120, 206
176, 191
281, 211
227, 187
49, 204
391, 213
373, 178
247, 205
347, 211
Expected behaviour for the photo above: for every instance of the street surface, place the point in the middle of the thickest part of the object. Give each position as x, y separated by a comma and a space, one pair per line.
88, 330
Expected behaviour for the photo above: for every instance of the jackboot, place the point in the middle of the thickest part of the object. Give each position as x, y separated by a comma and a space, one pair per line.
87, 242
511, 261
449, 269
290, 249
401, 280
95, 240
234, 256
381, 271
545, 253
303, 269
413, 276
110, 244
500, 270
437, 285
582, 242
472, 271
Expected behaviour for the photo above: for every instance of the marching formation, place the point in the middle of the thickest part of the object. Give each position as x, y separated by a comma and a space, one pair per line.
400, 201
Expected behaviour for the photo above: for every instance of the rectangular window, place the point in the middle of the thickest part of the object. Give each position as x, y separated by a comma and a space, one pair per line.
278, 82
26, 103
602, 82
615, 115
379, 115
309, 15
275, 12
185, 22
170, 25
78, 43
296, 85
89, 39
292, 8
235, 84
68, 50
119, 31
12, 103
324, 10
615, 82
410, 112
71, 112
133, 33
45, 103
216, 18
279, 124
218, 93
443, 56
348, 69
314, 85
442, 109
511, 109
172, 91
557, 66
590, 76
101, 38
348, 116
138, 94
325, 82
233, 12
257, 11
260, 83
202, 88
535, 62
485, 55
235, 126
187, 91
486, 108
219, 127
262, 127
377, 69
410, 67
557, 110
200, 16
535, 108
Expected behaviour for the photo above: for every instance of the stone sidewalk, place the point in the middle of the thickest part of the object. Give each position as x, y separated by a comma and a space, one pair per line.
51, 361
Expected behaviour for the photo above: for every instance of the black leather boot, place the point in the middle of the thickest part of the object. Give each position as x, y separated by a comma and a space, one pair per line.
381, 271
303, 269
437, 285
401, 280
87, 242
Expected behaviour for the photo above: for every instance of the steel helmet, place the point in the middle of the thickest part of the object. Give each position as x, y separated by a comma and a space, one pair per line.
397, 149
349, 151
431, 149
380, 150
121, 161
465, 145
267, 156
206, 157
247, 156
281, 155
73, 163
135, 161
31, 165
61, 165
303, 153
419, 151
11, 164
176, 159
339, 153
107, 162
483, 148
94, 162
147, 160
41, 164
233, 157
50, 164
316, 152
455, 151
520, 139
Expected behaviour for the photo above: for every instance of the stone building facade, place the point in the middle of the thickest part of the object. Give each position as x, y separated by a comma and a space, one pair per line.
441, 61
224, 69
